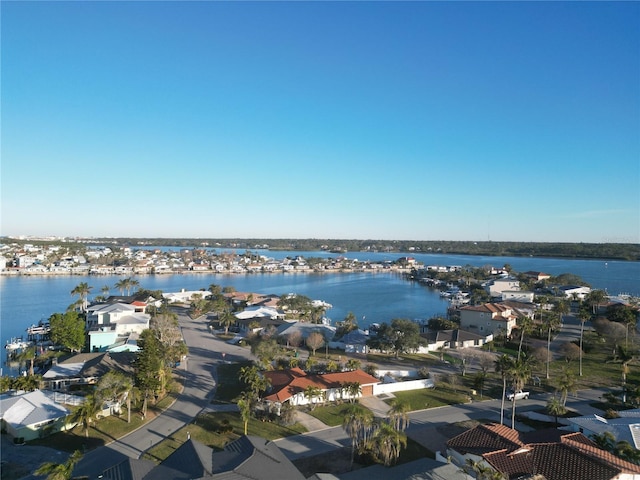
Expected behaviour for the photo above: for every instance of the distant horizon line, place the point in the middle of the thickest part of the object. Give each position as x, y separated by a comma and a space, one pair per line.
613, 241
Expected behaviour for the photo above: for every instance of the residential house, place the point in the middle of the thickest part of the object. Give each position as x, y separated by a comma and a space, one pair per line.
289, 385
257, 318
574, 291
304, 329
496, 286
537, 276
517, 296
353, 342
443, 339
31, 415
626, 427
488, 318
247, 458
87, 369
551, 454
113, 324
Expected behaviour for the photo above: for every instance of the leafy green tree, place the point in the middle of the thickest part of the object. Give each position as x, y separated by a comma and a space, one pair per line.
256, 382
67, 329
116, 387
60, 471
401, 336
149, 368
525, 327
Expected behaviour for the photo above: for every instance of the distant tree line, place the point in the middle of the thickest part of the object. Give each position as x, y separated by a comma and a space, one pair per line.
618, 251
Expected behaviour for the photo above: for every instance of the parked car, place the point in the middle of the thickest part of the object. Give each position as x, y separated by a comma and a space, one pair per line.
518, 395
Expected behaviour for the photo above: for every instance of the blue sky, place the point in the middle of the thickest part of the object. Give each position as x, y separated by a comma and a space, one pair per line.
371, 120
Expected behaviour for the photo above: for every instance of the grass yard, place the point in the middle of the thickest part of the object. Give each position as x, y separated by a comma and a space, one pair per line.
331, 415
229, 383
216, 429
440, 396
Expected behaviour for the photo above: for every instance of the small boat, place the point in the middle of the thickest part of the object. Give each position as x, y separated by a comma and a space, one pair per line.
17, 344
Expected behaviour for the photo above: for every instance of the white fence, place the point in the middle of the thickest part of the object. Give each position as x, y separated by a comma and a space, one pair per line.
402, 386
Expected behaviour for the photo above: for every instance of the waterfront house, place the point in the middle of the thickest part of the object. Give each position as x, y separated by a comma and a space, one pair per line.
488, 318
458, 338
537, 276
353, 342
87, 369
571, 291
114, 323
30, 415
496, 286
550, 454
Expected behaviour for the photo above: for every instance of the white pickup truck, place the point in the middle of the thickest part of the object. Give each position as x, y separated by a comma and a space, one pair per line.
518, 395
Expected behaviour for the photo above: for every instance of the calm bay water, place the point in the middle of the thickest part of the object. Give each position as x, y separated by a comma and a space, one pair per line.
372, 297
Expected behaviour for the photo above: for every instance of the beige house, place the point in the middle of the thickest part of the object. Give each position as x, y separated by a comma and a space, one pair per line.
489, 318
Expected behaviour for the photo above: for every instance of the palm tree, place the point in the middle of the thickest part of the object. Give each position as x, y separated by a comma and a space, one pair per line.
503, 365
28, 355
595, 298
227, 319
357, 422
311, 393
86, 412
551, 323
398, 414
82, 290
60, 471
583, 316
556, 408
525, 327
354, 390
626, 357
244, 405
519, 373
566, 384
387, 444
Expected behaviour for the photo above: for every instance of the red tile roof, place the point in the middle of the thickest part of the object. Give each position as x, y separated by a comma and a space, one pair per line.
287, 383
568, 456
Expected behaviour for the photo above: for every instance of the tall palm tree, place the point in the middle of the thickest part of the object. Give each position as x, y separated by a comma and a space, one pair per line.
520, 371
625, 356
503, 365
525, 327
556, 408
595, 298
551, 323
357, 423
82, 290
583, 316
85, 413
244, 405
566, 384
312, 392
387, 443
60, 471
398, 414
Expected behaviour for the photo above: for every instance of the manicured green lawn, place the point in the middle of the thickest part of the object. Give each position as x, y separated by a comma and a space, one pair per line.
442, 395
331, 415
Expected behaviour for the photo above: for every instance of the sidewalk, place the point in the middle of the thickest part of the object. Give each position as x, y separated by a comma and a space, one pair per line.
312, 424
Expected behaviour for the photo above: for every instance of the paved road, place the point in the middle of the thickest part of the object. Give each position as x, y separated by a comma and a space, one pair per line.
199, 372
426, 424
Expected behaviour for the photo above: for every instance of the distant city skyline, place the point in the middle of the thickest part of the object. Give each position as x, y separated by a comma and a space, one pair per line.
475, 121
